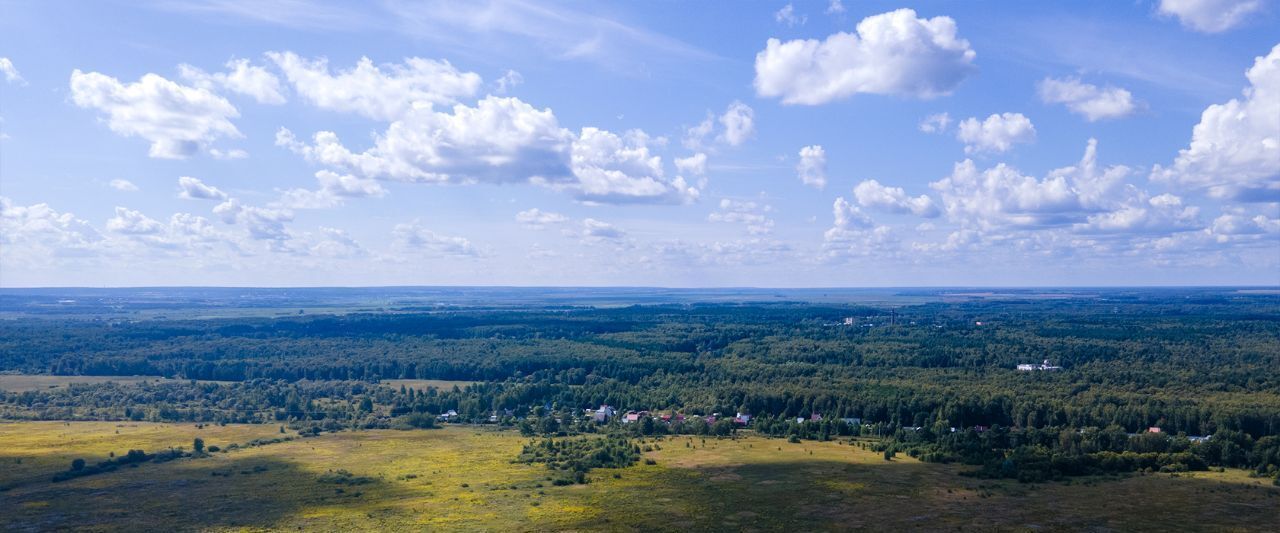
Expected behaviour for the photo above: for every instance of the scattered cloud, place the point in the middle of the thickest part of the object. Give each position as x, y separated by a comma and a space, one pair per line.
39, 233
812, 169
130, 222
1093, 102
261, 223
998, 133
1235, 149
695, 136
178, 120
240, 78
384, 92
413, 238
787, 16
1001, 197
123, 185
737, 126
538, 219
334, 189
935, 123
750, 214
504, 140
194, 189
510, 80
234, 153
11, 74
739, 123
872, 194
1210, 16
620, 169
892, 53
835, 7
500, 140
596, 232
694, 165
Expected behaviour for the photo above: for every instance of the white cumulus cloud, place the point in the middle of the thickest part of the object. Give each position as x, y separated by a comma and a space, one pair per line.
240, 77
123, 185
178, 120
739, 122
1210, 16
893, 53
998, 133
504, 140
1093, 102
384, 92
812, 169
694, 165
871, 193
1235, 149
334, 189
194, 189
11, 74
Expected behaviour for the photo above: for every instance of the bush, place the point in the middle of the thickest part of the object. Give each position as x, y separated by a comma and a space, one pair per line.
343, 477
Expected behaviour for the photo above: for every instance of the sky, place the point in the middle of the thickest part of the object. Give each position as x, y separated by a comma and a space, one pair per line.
765, 144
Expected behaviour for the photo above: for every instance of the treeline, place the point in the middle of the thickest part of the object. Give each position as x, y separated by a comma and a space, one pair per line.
1040, 454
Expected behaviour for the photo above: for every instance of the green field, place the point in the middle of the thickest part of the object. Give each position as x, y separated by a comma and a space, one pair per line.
36, 382
424, 384
462, 478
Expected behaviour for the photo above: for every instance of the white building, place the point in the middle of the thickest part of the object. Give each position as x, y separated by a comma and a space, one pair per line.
1042, 366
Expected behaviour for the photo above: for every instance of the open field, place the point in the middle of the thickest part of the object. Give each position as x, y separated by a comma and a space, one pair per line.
27, 382
33, 382
33, 451
424, 384
462, 478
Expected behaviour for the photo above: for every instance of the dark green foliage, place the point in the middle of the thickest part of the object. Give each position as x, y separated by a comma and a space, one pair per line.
343, 477
133, 458
417, 421
573, 457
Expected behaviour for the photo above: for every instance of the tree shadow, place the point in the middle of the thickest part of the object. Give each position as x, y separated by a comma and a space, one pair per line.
831, 495
222, 491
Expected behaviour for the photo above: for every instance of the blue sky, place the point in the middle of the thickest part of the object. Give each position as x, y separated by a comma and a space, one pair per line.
229, 142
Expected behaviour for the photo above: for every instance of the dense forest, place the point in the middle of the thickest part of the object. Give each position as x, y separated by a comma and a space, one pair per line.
936, 379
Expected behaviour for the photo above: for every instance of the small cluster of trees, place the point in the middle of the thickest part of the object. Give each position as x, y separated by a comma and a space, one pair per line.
572, 458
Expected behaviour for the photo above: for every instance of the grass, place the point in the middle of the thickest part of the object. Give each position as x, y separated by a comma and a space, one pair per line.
33, 451
32, 382
424, 384
463, 479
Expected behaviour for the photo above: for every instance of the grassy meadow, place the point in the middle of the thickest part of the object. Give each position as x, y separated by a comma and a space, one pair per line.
424, 384
462, 479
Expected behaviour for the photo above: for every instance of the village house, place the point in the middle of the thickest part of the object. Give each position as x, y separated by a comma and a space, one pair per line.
603, 414
634, 416
742, 419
